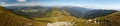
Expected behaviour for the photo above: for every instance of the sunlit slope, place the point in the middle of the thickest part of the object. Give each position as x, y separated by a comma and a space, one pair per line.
110, 20
7, 18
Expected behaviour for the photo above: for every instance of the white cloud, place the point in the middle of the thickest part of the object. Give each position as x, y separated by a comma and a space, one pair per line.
22, 4
98, 6
21, 0
2, 3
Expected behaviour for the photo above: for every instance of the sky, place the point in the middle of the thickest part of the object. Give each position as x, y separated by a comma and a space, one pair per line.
99, 4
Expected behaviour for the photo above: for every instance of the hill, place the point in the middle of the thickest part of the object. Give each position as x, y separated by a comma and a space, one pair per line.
55, 14
110, 20
58, 15
97, 13
7, 18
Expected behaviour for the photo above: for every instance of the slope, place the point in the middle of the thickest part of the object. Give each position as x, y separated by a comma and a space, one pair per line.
7, 18
110, 20
98, 13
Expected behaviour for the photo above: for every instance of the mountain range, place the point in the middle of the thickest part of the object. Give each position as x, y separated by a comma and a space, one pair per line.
14, 17
38, 11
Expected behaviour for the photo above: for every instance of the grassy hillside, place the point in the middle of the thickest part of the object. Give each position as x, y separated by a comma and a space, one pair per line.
110, 20
7, 18
97, 13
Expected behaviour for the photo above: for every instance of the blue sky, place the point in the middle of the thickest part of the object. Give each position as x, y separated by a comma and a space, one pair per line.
104, 2
83, 3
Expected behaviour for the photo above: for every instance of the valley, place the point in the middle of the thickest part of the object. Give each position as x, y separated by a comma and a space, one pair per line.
54, 16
